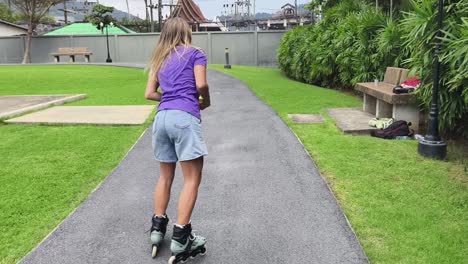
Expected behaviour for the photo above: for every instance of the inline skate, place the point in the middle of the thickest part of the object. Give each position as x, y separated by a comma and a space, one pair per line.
158, 231
185, 244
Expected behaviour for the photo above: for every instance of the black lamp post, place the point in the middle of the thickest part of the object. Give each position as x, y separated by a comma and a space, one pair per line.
105, 25
432, 146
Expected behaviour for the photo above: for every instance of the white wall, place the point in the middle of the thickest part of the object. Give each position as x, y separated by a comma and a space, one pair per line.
246, 48
7, 30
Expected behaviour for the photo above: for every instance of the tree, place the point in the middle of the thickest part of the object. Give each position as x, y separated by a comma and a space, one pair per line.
33, 11
6, 14
386, 5
49, 20
101, 14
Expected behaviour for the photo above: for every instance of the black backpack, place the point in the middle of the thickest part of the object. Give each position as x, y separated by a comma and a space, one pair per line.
396, 129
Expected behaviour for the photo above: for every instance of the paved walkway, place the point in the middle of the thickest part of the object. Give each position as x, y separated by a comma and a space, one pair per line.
14, 105
262, 199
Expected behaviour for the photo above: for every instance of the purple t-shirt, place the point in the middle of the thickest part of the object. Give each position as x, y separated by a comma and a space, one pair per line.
177, 80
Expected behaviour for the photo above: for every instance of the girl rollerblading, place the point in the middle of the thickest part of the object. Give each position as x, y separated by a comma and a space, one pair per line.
180, 71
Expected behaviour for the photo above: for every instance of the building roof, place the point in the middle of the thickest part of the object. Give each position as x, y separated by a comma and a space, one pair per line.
87, 29
188, 10
12, 25
288, 5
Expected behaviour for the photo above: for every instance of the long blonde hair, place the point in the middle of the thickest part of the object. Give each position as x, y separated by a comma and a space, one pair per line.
176, 32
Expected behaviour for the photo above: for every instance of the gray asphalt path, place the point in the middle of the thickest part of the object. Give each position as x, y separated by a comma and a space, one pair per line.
262, 199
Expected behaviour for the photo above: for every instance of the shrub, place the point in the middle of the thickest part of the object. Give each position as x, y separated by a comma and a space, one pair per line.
356, 43
420, 25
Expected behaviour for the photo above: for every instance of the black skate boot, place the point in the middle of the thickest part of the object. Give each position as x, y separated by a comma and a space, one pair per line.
158, 231
185, 244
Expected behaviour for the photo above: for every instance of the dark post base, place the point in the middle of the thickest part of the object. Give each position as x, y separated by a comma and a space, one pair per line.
228, 66
109, 60
433, 149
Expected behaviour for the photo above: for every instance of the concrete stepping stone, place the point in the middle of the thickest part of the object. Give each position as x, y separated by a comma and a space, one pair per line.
352, 120
16, 105
92, 115
306, 118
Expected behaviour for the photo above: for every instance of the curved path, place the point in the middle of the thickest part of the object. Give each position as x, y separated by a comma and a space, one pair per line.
262, 199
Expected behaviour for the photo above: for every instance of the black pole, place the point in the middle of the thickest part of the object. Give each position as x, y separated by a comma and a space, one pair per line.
160, 15
432, 146
109, 60
227, 65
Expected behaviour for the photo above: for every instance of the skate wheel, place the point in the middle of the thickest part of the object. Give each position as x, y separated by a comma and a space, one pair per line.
154, 251
172, 260
203, 251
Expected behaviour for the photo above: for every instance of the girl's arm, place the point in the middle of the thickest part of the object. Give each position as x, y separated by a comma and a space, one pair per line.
202, 85
152, 88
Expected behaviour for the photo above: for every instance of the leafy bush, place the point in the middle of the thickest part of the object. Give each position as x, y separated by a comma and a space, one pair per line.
420, 25
344, 48
355, 43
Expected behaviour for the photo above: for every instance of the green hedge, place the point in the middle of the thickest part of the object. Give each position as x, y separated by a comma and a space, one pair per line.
356, 43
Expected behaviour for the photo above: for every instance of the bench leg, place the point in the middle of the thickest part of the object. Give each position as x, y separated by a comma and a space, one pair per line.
87, 58
409, 113
56, 59
383, 109
72, 58
369, 104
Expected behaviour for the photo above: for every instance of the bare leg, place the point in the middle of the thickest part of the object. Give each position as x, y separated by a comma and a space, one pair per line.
162, 193
192, 171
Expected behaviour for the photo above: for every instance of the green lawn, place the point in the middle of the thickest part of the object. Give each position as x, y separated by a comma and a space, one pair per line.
404, 209
47, 171
103, 85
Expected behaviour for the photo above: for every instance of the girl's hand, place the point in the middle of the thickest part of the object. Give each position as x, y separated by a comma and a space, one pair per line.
203, 103
151, 92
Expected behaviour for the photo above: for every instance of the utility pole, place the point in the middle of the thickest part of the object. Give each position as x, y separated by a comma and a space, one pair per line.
159, 6
255, 15
235, 9
295, 6
160, 15
146, 8
170, 7
151, 15
296, 16
255, 10
128, 11
65, 15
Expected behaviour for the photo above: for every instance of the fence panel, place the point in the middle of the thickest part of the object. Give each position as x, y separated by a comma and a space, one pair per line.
246, 48
11, 50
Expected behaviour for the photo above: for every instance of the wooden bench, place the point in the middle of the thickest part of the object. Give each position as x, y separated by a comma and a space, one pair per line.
380, 100
72, 52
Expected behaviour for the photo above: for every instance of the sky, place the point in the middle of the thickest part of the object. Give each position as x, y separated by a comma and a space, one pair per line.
210, 8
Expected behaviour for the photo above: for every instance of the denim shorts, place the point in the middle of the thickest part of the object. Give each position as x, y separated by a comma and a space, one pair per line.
177, 136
